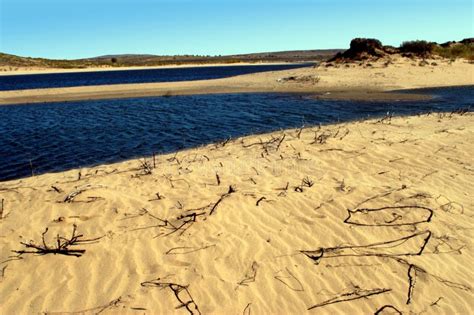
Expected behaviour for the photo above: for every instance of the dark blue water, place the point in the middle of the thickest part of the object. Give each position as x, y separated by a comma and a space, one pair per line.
51, 80
61, 136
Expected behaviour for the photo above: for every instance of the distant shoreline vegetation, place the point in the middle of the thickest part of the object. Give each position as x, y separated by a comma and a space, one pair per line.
117, 61
373, 47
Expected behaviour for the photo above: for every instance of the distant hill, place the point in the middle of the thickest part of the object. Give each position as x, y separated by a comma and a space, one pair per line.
128, 60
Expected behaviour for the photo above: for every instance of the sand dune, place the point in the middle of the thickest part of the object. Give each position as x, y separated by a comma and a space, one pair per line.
352, 218
353, 81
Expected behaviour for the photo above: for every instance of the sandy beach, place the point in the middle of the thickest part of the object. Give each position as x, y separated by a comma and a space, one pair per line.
362, 217
347, 81
236, 157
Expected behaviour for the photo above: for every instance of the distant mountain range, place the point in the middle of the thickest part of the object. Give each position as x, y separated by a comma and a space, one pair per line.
128, 60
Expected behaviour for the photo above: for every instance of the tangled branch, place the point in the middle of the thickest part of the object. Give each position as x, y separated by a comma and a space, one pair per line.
61, 246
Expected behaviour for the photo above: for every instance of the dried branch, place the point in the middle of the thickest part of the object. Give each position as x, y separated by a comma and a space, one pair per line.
181, 293
186, 249
379, 249
273, 143
389, 216
297, 287
384, 194
391, 307
412, 274
56, 189
94, 310
229, 192
145, 167
79, 190
260, 200
351, 296
250, 276
174, 158
284, 188
320, 138
411, 282
61, 247
435, 303
247, 309
171, 180
2, 272
342, 187
305, 182
298, 133
158, 197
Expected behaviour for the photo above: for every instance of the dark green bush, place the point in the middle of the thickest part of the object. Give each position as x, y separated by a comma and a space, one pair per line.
418, 47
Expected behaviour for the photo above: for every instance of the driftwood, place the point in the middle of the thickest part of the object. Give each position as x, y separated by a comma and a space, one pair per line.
61, 247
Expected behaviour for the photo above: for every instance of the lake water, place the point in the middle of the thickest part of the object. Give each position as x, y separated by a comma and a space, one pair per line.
52, 80
66, 135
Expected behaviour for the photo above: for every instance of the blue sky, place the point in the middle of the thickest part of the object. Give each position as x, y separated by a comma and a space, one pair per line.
86, 28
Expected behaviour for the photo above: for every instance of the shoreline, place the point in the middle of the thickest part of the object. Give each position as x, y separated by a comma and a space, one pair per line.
252, 135
288, 199
32, 71
351, 81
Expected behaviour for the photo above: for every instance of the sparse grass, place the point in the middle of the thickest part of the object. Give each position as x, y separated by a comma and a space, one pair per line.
456, 51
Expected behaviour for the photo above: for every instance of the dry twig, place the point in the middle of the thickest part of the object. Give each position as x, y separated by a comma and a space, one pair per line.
61, 247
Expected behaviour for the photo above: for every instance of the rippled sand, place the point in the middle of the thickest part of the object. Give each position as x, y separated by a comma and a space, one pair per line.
350, 218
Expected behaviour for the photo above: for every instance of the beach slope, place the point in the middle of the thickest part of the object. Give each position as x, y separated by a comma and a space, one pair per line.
351, 218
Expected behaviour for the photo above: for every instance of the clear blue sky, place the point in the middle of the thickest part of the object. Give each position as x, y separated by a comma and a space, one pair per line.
86, 28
